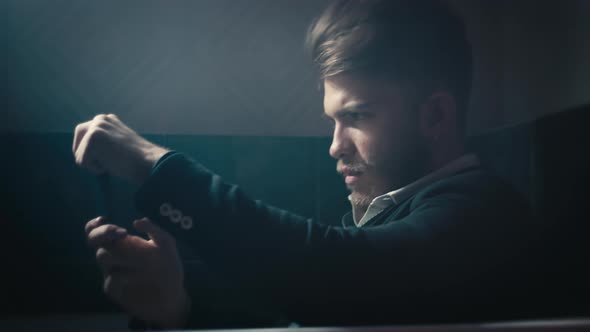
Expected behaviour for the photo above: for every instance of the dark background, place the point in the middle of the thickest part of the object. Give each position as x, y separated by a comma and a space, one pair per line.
228, 82
237, 67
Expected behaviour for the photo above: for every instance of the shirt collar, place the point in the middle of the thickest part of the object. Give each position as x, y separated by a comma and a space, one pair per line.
379, 203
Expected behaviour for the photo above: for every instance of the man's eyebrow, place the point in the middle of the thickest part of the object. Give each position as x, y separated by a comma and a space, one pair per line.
349, 109
356, 107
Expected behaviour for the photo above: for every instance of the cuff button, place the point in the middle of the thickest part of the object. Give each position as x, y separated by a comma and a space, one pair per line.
175, 216
186, 223
165, 209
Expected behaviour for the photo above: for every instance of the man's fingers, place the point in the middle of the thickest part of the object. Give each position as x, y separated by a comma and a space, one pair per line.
92, 224
114, 285
158, 235
85, 154
108, 262
113, 117
79, 133
127, 287
85, 136
105, 235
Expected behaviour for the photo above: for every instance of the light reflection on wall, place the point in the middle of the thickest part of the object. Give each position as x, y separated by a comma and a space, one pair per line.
223, 67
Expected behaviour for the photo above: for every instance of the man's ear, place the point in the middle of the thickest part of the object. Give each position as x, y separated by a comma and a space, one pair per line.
438, 115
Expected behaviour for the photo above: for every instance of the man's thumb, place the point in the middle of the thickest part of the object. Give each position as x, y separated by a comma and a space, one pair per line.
158, 235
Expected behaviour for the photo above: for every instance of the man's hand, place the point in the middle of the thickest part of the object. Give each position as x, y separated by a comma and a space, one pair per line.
105, 144
145, 277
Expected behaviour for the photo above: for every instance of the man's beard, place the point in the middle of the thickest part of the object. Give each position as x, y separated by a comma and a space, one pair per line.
401, 169
360, 198
360, 201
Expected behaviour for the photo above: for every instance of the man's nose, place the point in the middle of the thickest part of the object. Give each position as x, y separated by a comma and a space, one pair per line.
342, 146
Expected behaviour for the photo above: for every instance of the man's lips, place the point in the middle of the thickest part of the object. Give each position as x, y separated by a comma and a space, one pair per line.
351, 179
350, 176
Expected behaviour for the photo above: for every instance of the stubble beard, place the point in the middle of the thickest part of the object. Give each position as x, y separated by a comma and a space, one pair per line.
362, 194
397, 173
360, 201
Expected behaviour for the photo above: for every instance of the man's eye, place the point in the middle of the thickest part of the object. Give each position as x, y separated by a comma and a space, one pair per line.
356, 116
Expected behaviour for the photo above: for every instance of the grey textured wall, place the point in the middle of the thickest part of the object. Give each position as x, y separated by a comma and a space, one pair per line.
237, 67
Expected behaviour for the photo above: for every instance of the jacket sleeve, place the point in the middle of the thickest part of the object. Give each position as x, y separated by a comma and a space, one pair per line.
298, 265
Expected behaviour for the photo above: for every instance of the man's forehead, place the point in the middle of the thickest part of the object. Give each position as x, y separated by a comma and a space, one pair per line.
349, 85
343, 90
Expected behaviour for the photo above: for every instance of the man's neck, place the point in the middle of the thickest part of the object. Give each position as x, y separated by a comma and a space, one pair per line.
358, 212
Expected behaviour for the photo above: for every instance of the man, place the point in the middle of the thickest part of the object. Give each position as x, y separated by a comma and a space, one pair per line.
431, 236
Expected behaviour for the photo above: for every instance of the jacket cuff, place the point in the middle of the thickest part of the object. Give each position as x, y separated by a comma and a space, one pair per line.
177, 195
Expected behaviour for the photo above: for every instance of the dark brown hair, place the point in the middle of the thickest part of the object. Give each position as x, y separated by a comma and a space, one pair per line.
417, 42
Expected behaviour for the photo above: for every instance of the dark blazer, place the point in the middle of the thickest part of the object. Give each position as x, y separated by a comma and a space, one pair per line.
453, 251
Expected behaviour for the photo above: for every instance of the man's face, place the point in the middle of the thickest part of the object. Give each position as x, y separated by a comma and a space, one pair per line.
376, 139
